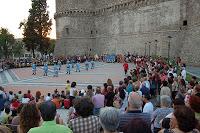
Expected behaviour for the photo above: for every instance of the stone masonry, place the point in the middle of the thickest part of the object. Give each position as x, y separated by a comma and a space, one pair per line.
121, 26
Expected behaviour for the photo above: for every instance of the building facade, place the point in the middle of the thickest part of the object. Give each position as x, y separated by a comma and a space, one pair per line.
146, 27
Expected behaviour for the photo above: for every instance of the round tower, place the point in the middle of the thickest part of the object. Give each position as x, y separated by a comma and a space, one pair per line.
74, 27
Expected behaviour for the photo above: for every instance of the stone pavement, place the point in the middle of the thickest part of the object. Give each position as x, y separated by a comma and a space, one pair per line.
22, 78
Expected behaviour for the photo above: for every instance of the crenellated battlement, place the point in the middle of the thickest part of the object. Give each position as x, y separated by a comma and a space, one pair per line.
110, 8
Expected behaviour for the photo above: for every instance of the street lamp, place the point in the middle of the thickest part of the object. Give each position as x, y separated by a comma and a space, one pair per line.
156, 47
149, 49
169, 37
145, 49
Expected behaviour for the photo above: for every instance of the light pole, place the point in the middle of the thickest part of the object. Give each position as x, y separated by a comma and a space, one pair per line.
149, 49
145, 49
169, 47
156, 47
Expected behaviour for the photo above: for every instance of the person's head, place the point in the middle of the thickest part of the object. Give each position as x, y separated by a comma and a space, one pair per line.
146, 98
20, 92
182, 82
68, 81
48, 110
29, 91
84, 107
178, 102
134, 101
98, 90
73, 84
184, 119
49, 94
121, 83
137, 125
109, 119
165, 83
1, 88
105, 85
7, 110
29, 117
10, 92
194, 103
89, 87
165, 101
109, 82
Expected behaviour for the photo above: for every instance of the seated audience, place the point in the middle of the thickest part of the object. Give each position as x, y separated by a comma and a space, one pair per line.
137, 125
161, 113
29, 117
85, 122
48, 113
134, 110
109, 119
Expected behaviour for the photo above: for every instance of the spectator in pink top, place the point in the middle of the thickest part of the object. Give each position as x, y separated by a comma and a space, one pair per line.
98, 101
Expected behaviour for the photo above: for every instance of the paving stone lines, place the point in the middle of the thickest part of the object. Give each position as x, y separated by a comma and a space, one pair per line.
22, 78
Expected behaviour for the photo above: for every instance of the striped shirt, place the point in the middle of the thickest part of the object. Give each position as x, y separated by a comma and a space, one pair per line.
126, 117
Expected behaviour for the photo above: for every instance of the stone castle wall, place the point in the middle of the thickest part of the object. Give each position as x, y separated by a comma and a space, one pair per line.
118, 26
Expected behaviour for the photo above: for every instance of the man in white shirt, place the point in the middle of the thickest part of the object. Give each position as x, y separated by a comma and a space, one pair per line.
48, 97
183, 73
148, 107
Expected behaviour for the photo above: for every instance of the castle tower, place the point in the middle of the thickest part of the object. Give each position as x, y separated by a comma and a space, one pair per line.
74, 27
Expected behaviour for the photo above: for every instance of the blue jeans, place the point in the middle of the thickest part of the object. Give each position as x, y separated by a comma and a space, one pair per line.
96, 111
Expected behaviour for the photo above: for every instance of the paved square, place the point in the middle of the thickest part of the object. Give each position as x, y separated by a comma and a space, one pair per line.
22, 78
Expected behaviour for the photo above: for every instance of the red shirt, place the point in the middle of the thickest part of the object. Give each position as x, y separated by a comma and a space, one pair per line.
125, 66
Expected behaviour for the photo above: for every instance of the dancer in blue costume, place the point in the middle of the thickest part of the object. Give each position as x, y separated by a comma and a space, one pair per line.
55, 68
86, 65
68, 67
45, 69
34, 68
59, 65
78, 66
92, 64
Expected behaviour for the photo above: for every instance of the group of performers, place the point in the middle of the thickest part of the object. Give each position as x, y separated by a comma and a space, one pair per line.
69, 67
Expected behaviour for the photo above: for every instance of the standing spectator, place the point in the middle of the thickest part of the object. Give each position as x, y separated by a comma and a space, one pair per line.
109, 98
37, 95
129, 88
85, 122
165, 90
89, 92
161, 113
134, 111
109, 119
125, 65
183, 121
20, 96
48, 97
105, 90
11, 96
29, 95
57, 101
148, 107
48, 113
98, 101
25, 99
73, 92
5, 116
183, 72
29, 117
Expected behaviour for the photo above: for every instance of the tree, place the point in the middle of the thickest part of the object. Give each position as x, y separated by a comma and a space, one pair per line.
37, 28
6, 42
18, 49
52, 46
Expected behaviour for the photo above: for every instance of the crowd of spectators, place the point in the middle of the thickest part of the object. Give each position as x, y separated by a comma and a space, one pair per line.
154, 98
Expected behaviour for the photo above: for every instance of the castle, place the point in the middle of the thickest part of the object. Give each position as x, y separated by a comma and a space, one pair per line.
146, 27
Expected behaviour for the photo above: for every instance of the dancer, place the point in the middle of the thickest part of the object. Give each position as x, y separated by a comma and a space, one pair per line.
92, 64
125, 67
45, 69
69, 67
78, 67
55, 67
34, 68
59, 65
86, 65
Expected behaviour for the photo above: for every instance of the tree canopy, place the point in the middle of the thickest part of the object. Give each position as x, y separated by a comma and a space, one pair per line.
37, 28
6, 43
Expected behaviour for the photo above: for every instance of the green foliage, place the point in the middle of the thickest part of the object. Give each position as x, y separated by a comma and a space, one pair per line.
6, 43
51, 46
18, 49
37, 28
